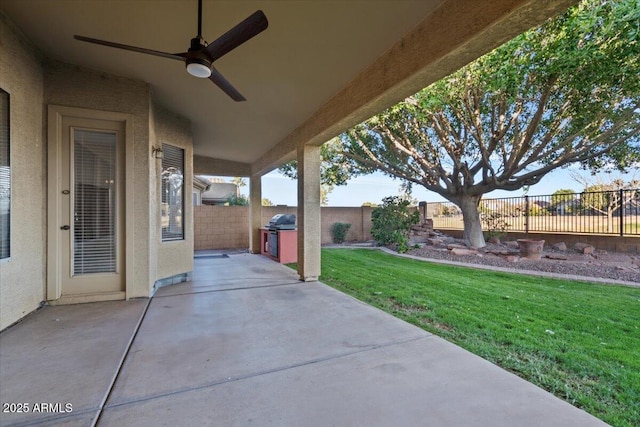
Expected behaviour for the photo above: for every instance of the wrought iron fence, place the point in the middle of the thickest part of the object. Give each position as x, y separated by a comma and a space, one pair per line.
600, 212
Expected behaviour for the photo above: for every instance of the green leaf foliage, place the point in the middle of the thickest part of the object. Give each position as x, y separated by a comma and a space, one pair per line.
335, 169
237, 200
566, 92
562, 195
339, 231
392, 221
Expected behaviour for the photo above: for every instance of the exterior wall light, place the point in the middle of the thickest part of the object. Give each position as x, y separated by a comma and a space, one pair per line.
157, 152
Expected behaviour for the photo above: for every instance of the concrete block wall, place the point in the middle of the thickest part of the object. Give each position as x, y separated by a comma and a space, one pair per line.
221, 227
359, 218
227, 227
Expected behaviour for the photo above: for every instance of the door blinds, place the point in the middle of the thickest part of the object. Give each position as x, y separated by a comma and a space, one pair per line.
5, 176
172, 193
94, 206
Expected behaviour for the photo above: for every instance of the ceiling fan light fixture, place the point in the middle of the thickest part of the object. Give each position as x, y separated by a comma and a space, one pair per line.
199, 67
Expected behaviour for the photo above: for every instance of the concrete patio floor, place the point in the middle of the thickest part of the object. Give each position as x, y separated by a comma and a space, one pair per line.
246, 343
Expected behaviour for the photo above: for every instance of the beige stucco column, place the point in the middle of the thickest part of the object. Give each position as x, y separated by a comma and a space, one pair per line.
255, 212
308, 212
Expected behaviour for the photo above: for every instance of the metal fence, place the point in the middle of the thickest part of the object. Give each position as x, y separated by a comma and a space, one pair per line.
602, 212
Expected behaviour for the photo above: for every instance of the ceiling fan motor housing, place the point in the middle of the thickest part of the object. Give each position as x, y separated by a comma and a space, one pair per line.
197, 62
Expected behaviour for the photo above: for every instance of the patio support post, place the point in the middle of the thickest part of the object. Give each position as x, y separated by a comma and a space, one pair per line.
255, 212
309, 212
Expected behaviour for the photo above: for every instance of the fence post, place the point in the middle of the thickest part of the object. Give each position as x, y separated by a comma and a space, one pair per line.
621, 213
526, 214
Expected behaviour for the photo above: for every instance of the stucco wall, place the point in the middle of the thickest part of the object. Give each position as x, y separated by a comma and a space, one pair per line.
22, 277
359, 218
35, 82
73, 86
227, 227
175, 257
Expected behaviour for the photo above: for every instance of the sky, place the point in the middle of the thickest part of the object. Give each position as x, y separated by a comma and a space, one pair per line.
281, 190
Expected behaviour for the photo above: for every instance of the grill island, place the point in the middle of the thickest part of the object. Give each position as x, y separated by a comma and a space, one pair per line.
279, 239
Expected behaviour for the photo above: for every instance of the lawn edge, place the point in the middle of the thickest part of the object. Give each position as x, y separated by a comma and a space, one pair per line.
570, 277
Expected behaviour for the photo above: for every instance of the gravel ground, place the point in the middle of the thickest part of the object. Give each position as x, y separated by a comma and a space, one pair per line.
602, 264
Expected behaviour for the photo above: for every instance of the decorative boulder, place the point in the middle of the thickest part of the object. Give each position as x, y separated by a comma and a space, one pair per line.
511, 244
531, 249
585, 248
560, 246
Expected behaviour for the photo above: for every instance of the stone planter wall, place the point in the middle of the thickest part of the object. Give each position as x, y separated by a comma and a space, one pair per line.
599, 241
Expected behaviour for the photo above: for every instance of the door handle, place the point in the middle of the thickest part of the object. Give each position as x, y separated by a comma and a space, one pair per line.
65, 227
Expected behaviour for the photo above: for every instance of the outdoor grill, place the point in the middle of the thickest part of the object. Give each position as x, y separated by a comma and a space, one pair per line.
282, 222
277, 223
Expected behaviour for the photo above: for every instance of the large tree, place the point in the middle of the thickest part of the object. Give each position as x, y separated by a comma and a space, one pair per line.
566, 92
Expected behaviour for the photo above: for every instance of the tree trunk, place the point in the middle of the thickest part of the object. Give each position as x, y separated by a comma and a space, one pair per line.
471, 219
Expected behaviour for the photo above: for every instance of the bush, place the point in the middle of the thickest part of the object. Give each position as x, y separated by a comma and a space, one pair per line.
237, 200
495, 225
392, 222
339, 231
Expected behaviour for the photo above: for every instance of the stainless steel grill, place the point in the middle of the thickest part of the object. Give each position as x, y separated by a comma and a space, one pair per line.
282, 222
279, 222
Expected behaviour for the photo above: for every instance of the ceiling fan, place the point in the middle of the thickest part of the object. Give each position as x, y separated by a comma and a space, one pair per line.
200, 56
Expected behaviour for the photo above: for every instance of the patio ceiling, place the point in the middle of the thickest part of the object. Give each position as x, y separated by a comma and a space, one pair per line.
320, 67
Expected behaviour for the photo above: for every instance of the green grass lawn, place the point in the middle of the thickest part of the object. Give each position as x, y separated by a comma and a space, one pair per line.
577, 340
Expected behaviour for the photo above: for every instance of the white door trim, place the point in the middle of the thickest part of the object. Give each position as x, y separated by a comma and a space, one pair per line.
54, 149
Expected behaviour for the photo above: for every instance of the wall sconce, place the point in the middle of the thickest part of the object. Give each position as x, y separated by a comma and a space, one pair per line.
157, 152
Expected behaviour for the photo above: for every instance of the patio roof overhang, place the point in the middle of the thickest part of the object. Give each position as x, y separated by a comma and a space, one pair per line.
318, 69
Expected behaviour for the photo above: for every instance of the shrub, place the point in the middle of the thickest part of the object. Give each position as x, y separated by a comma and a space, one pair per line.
339, 231
495, 225
237, 200
392, 221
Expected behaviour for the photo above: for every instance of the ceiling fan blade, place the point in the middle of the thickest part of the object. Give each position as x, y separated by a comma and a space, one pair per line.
179, 56
219, 80
250, 27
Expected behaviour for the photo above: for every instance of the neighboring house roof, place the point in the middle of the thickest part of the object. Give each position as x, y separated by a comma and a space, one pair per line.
219, 192
542, 203
201, 183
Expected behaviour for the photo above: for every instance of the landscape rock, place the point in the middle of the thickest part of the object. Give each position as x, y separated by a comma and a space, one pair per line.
604, 266
560, 246
557, 256
452, 246
494, 240
579, 246
413, 240
503, 252
511, 244
435, 241
585, 248
463, 251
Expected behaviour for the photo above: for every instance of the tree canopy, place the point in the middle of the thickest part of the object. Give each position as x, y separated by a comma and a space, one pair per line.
566, 92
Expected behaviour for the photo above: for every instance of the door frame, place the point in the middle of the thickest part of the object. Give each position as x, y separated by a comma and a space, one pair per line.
54, 151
